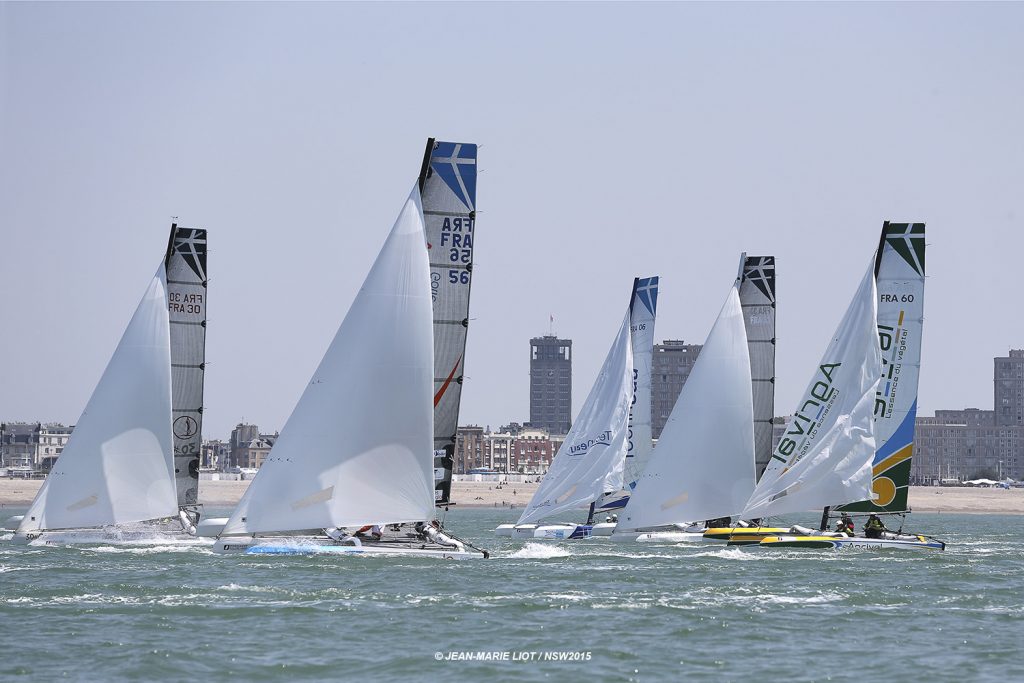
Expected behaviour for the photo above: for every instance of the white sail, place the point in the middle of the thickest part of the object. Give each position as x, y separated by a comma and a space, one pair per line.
117, 466
642, 314
757, 297
824, 457
589, 462
357, 448
703, 466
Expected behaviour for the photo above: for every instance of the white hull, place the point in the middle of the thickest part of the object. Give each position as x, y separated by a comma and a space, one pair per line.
321, 546
551, 532
505, 530
136, 535
903, 542
603, 529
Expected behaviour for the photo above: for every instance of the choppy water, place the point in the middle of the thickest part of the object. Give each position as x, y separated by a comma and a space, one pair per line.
643, 612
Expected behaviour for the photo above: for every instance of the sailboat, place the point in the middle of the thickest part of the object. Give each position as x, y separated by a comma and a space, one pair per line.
590, 464
898, 276
133, 456
357, 451
703, 466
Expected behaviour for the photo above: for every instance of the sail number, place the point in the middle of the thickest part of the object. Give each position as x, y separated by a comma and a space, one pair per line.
178, 302
457, 277
896, 298
638, 328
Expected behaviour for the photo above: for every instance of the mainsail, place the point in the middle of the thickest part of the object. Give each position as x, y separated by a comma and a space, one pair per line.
589, 461
703, 466
824, 457
757, 299
117, 466
356, 448
448, 186
900, 324
642, 314
186, 296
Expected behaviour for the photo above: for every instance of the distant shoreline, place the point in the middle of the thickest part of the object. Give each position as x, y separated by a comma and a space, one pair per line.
18, 493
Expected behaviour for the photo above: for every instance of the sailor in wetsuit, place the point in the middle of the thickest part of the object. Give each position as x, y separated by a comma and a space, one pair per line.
874, 527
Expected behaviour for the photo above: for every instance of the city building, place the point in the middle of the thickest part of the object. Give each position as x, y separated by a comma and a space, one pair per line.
248, 447
671, 364
975, 444
551, 384
31, 448
527, 451
215, 455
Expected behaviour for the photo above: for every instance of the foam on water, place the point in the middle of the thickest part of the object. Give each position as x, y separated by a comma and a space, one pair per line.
540, 551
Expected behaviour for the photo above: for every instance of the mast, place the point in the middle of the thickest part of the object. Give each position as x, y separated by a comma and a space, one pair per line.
757, 299
447, 182
185, 264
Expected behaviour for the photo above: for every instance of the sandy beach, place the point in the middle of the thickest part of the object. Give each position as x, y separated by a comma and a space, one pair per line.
18, 493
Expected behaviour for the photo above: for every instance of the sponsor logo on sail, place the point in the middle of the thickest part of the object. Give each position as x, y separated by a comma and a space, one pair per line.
804, 425
583, 447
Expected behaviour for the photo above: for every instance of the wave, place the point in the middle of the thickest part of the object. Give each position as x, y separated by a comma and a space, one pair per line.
540, 551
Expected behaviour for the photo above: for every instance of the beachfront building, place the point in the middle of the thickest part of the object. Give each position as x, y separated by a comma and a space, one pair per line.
976, 444
526, 450
31, 448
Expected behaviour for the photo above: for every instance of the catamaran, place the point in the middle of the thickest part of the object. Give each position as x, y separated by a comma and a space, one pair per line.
851, 440
134, 455
352, 471
704, 464
589, 467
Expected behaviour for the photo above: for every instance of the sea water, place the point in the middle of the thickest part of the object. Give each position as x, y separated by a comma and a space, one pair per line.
536, 611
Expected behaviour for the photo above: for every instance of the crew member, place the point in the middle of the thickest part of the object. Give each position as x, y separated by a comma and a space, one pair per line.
874, 527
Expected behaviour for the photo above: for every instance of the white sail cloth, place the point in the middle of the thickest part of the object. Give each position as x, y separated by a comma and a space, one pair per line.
703, 466
357, 449
824, 457
118, 466
590, 460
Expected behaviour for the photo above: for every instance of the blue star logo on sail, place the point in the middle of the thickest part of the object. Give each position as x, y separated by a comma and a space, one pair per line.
455, 163
191, 244
647, 292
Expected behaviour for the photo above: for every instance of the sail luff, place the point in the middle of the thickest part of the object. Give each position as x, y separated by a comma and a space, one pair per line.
356, 449
186, 266
448, 184
117, 465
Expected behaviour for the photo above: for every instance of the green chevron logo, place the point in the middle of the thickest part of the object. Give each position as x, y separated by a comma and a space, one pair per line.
907, 239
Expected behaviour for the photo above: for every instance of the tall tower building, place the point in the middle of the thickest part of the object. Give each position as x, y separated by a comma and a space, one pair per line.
551, 383
673, 359
1009, 389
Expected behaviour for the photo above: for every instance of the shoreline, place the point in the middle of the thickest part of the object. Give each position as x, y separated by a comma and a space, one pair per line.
18, 493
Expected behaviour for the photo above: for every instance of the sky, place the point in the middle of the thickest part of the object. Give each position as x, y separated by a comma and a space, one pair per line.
616, 140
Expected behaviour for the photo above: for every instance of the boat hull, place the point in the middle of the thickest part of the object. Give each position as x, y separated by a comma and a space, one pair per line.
315, 546
852, 542
552, 532
743, 535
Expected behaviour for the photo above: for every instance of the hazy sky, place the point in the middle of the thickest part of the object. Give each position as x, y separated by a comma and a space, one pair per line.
616, 140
